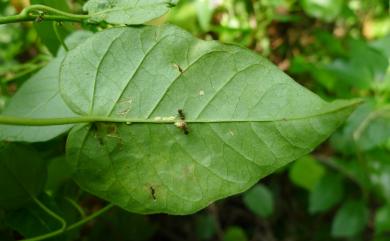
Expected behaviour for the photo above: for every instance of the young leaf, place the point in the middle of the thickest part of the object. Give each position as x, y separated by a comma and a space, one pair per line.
245, 118
22, 174
37, 98
259, 200
350, 219
306, 172
127, 11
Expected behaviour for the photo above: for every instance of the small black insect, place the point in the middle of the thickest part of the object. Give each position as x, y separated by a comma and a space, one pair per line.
40, 16
181, 114
186, 131
153, 192
182, 124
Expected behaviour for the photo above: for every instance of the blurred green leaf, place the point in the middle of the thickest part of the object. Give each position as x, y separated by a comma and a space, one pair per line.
368, 127
22, 174
326, 193
130, 12
58, 173
306, 172
259, 200
379, 171
205, 227
382, 45
204, 10
350, 219
185, 15
323, 9
235, 233
382, 220
363, 66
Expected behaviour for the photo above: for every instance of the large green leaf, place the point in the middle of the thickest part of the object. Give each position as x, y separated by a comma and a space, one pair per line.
22, 174
246, 118
127, 11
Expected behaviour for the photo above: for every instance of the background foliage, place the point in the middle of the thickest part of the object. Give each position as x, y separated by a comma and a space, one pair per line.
337, 48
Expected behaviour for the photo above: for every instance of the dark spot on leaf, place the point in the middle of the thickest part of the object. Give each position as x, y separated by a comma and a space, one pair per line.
153, 192
96, 133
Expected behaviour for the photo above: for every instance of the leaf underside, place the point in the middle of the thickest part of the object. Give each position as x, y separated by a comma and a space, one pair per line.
127, 11
245, 118
38, 98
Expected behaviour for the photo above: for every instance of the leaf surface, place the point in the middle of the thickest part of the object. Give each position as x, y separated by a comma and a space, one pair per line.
37, 98
127, 11
245, 118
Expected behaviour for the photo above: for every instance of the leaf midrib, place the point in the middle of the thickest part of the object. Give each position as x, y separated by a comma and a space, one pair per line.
10, 120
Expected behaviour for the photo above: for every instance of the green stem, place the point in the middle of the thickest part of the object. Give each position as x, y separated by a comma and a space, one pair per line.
55, 216
21, 121
22, 72
34, 12
44, 8
58, 35
64, 228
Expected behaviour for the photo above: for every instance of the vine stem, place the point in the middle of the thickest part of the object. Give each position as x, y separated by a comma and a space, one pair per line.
21, 121
90, 217
58, 35
42, 12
